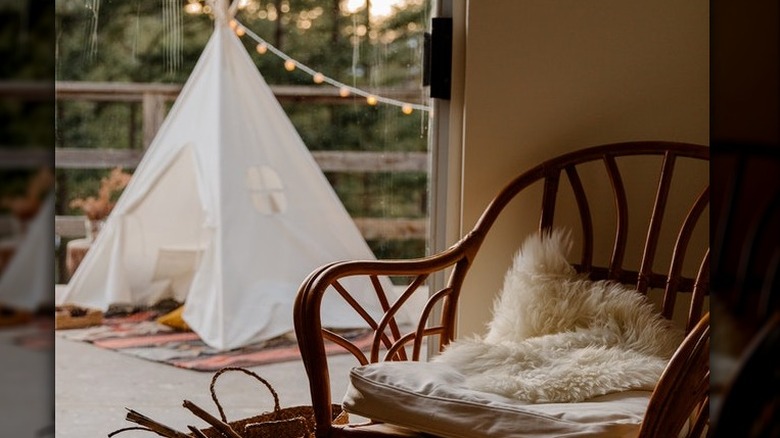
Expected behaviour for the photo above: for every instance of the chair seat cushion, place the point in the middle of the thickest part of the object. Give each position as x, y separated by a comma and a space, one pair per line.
432, 398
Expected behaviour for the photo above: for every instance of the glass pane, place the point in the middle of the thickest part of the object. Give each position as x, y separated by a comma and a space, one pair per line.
348, 76
347, 73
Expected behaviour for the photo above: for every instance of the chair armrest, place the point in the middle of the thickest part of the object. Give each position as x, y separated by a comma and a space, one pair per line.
437, 317
680, 400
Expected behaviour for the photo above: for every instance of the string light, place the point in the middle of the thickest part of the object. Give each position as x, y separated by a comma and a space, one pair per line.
193, 7
344, 90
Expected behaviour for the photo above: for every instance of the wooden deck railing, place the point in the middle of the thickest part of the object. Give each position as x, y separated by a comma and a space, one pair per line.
329, 161
71, 227
154, 98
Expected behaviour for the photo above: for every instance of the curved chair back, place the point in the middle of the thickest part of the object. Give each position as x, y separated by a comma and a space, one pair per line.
630, 215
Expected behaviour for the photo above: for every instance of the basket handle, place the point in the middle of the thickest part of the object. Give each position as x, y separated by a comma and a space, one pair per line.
277, 407
125, 429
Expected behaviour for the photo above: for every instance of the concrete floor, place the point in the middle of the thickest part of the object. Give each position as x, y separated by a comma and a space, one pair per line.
26, 382
94, 386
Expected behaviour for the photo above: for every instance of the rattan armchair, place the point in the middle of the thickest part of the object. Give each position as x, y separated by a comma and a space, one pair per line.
679, 402
745, 283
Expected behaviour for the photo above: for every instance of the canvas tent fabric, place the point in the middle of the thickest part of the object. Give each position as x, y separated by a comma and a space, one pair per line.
26, 282
227, 211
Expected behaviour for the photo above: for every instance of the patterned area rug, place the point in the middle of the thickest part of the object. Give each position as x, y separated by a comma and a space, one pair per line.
141, 336
36, 335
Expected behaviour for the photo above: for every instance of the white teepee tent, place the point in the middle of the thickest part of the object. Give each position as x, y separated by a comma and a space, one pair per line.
227, 211
27, 281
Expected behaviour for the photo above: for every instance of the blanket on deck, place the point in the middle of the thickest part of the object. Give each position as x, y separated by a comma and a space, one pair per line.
141, 335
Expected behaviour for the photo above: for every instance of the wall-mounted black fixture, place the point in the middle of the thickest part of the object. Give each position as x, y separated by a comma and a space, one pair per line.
437, 58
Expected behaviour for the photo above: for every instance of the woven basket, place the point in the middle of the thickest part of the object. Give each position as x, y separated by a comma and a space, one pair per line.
290, 422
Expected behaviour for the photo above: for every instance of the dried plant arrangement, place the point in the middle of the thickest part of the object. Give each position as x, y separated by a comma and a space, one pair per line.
25, 206
98, 208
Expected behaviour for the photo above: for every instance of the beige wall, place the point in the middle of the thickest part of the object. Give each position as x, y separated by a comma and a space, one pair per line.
543, 77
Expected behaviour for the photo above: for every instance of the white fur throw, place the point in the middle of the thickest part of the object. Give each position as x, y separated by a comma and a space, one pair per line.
558, 337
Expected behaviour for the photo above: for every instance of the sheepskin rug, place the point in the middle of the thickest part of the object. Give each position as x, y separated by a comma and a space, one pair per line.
558, 337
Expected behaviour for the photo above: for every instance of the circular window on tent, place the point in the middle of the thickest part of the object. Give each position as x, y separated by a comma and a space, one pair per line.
266, 189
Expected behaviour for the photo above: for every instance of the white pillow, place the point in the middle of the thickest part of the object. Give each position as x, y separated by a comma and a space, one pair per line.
432, 398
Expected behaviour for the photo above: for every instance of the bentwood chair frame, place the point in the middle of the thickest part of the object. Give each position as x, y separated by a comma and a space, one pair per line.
746, 291
679, 401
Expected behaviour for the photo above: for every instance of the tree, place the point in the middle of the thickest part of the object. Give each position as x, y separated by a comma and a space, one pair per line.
25, 117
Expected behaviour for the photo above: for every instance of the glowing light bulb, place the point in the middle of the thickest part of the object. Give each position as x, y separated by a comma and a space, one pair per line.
233, 24
193, 8
240, 31
319, 78
371, 100
262, 48
344, 92
289, 65
406, 109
